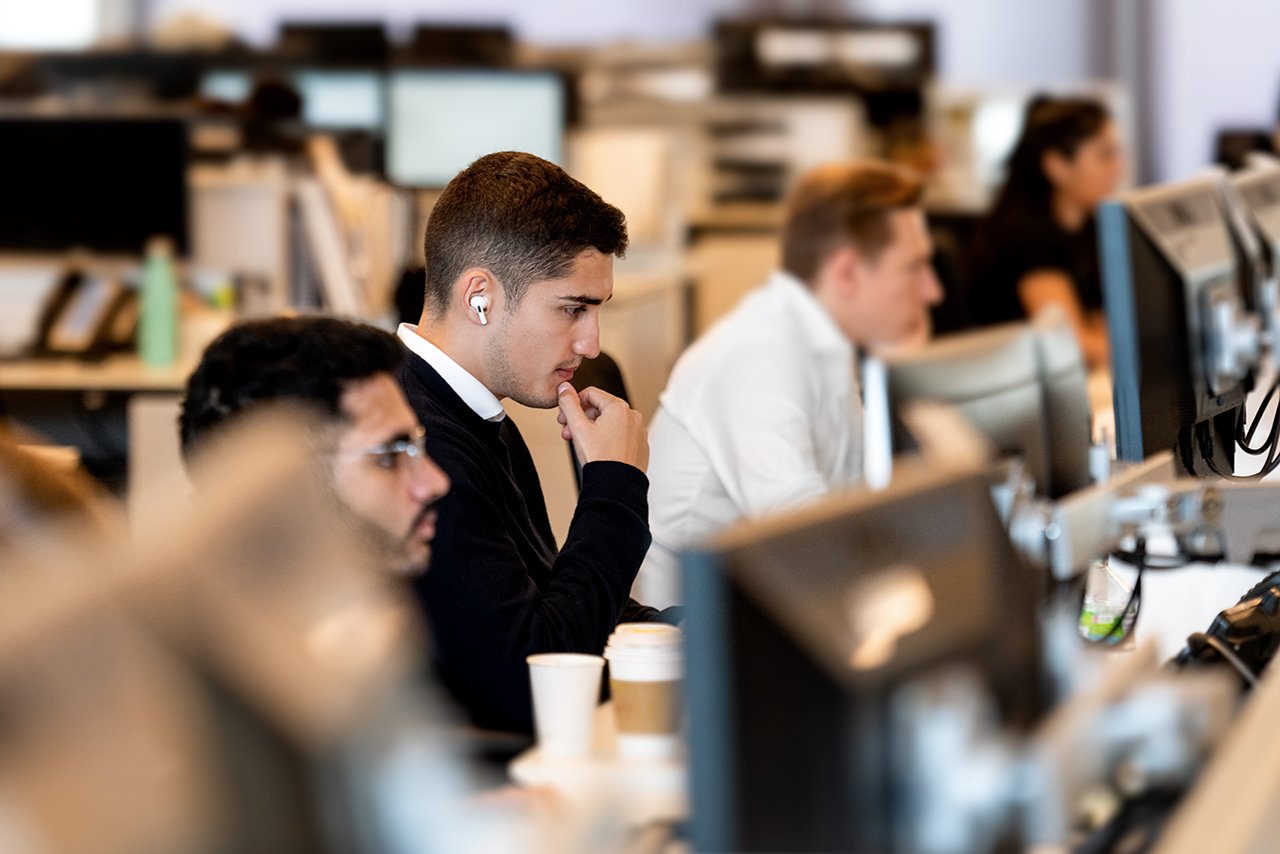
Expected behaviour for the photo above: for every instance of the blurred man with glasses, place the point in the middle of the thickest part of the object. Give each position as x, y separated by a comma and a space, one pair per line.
369, 441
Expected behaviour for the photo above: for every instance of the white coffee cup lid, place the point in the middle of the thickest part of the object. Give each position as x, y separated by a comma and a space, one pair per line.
564, 659
646, 636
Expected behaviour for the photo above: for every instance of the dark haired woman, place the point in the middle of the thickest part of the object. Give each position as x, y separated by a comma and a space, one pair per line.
1038, 246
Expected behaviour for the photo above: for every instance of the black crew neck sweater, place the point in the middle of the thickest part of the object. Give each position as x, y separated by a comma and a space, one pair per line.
498, 589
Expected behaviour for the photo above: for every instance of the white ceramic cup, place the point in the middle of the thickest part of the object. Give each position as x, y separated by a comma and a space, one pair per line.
646, 673
566, 691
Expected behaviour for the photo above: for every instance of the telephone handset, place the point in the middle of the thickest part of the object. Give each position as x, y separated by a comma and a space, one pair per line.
87, 315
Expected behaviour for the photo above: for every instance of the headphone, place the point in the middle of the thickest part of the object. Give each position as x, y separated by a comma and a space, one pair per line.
480, 303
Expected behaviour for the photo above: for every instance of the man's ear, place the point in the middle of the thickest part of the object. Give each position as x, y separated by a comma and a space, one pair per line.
844, 268
476, 290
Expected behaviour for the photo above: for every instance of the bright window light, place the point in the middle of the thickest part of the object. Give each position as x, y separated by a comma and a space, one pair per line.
48, 24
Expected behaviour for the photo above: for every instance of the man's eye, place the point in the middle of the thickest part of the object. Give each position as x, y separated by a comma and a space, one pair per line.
576, 310
387, 461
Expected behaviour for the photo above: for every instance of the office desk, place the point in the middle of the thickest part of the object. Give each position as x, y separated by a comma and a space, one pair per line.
638, 792
120, 413
123, 372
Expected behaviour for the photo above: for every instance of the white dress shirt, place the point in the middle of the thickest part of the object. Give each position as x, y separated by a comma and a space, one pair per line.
473, 392
760, 414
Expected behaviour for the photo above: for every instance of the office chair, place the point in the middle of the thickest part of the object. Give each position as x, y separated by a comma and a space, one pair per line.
951, 266
603, 373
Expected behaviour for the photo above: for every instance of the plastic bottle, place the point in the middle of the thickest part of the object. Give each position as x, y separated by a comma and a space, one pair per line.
158, 318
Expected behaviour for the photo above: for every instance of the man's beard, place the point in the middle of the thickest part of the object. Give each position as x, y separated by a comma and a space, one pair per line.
503, 377
393, 553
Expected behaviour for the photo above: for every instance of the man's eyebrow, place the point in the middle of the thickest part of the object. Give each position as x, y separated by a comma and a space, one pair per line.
402, 436
583, 300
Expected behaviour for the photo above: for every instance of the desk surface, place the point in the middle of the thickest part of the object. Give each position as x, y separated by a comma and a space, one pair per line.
639, 792
124, 372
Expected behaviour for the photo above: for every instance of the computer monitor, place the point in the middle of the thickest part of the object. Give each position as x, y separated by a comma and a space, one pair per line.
1258, 193
804, 633
334, 42
104, 185
1021, 385
439, 121
341, 100
232, 87
131, 75
1170, 282
332, 99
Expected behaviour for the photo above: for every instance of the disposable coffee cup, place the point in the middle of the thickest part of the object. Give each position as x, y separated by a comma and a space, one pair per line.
566, 690
646, 674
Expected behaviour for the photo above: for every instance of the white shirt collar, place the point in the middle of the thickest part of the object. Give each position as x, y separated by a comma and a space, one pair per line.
823, 331
471, 390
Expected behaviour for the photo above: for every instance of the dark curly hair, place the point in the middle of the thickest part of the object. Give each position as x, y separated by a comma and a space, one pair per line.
306, 359
522, 218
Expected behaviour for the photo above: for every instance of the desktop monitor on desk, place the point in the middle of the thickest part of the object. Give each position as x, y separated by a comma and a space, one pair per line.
104, 185
341, 100
1023, 386
803, 632
227, 85
1171, 280
439, 121
1257, 192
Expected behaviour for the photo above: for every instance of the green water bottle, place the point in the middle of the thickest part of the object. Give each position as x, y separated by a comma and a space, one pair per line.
158, 316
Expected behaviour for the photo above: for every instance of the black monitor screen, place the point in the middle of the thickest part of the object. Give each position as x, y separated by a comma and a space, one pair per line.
802, 630
102, 185
338, 42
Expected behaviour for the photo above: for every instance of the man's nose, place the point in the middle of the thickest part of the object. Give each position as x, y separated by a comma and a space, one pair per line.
428, 481
932, 288
588, 344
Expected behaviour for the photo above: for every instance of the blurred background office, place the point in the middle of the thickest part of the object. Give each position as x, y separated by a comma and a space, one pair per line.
168, 167
290, 155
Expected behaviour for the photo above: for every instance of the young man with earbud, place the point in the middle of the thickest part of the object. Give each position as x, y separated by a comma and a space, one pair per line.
519, 259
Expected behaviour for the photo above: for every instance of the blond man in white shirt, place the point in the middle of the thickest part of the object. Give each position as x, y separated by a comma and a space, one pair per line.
764, 411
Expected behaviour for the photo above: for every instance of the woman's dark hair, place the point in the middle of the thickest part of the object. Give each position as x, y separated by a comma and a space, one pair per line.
1050, 124
309, 360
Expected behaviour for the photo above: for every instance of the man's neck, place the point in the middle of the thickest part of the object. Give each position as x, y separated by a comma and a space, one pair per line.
825, 293
455, 347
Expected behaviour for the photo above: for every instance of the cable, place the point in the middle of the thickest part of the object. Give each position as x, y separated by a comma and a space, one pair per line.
1134, 602
1141, 560
1231, 658
1244, 437
1204, 440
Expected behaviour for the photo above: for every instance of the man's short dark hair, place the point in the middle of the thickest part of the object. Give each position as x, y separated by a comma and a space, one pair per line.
309, 360
519, 217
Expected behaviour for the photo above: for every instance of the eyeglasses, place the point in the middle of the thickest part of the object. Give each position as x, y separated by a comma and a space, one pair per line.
387, 455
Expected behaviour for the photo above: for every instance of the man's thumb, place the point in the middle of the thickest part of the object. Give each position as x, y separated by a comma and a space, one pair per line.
571, 406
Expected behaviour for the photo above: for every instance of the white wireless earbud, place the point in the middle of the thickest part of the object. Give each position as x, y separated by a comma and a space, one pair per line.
480, 303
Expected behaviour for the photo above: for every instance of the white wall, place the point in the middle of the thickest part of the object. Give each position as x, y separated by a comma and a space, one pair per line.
1214, 64
975, 41
994, 42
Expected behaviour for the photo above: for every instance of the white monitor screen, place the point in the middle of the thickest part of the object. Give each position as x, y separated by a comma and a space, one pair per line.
232, 87
440, 121
340, 99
